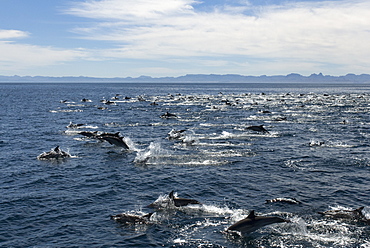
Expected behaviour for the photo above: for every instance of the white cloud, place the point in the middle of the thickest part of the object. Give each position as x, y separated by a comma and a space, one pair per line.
131, 10
331, 32
16, 56
11, 34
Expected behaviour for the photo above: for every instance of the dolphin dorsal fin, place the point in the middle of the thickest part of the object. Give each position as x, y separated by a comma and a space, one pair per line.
170, 195
359, 210
251, 215
148, 215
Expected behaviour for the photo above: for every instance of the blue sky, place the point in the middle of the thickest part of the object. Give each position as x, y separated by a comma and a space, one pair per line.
121, 38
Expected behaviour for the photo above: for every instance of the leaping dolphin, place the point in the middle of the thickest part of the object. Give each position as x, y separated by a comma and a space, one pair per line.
109, 134
115, 140
90, 135
253, 222
129, 219
259, 128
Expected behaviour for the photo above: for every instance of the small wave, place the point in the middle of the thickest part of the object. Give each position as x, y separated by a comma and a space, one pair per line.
228, 153
328, 143
339, 144
75, 105
227, 135
203, 163
66, 111
295, 164
162, 161
90, 126
212, 144
362, 162
316, 142
72, 132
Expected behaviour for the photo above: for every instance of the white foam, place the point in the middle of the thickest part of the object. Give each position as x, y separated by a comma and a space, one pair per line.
154, 150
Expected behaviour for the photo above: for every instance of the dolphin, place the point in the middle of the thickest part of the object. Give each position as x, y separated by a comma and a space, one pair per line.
316, 143
179, 202
101, 136
141, 99
253, 222
355, 214
259, 128
285, 200
168, 115
176, 134
60, 152
108, 102
129, 219
265, 112
55, 153
90, 135
73, 125
110, 134
280, 119
115, 140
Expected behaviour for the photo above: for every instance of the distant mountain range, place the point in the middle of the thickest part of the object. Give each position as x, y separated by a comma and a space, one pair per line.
193, 78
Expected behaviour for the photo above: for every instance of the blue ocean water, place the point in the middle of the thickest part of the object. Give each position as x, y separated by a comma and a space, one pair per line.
317, 151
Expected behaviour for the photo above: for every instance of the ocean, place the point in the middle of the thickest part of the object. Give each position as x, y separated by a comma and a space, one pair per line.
316, 151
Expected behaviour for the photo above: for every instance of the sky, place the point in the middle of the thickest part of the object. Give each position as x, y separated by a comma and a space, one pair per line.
159, 38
